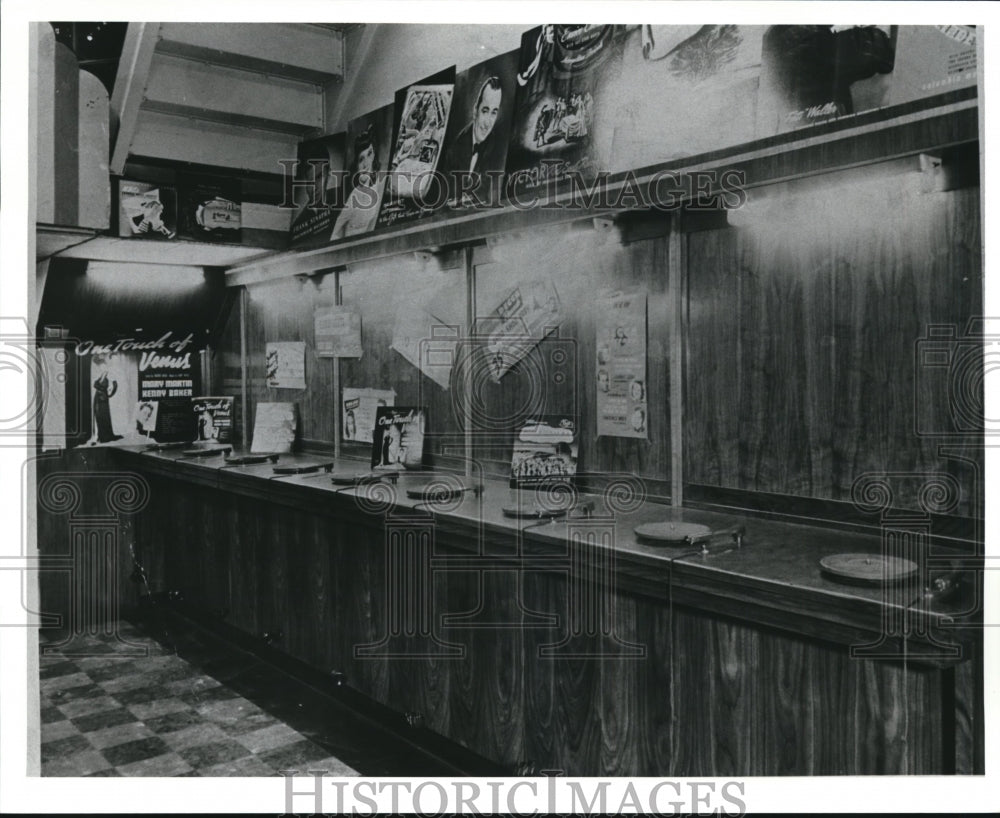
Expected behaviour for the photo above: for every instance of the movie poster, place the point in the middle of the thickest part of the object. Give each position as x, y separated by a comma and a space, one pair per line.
422, 112
318, 190
213, 419
146, 211
209, 209
369, 140
683, 90
561, 122
168, 378
545, 449
140, 388
398, 438
622, 408
475, 145
813, 74
359, 409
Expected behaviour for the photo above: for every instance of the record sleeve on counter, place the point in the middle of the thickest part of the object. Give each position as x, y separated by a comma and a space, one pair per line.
545, 450
213, 418
398, 437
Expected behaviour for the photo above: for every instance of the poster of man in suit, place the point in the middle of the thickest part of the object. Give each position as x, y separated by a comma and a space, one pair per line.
475, 146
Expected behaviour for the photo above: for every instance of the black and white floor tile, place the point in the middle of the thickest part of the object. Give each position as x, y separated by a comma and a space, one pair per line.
113, 714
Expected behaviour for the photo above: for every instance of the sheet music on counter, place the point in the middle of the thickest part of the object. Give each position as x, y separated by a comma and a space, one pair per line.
273, 428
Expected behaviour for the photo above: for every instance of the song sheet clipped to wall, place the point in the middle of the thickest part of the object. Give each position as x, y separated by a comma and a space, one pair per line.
622, 409
285, 365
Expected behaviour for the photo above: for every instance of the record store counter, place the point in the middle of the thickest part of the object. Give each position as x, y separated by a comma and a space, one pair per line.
545, 632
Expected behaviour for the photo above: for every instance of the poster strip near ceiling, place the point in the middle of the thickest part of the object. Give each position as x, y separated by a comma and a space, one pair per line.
318, 189
368, 145
683, 90
146, 210
475, 147
421, 119
209, 209
561, 125
584, 100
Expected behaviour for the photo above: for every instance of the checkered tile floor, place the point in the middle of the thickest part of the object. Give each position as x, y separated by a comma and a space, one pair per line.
115, 713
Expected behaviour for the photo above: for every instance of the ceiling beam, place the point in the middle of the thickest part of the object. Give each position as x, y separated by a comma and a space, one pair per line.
130, 88
294, 51
203, 91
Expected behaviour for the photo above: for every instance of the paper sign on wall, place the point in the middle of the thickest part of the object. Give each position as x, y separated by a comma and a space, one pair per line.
273, 428
621, 365
360, 406
285, 365
427, 343
527, 313
338, 332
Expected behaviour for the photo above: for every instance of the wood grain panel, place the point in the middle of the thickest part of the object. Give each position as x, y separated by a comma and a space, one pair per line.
359, 577
310, 600
541, 741
803, 329
486, 698
245, 523
89, 475
715, 674
788, 678
576, 688
969, 733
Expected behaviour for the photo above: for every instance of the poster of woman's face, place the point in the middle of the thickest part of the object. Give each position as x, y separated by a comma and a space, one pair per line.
368, 143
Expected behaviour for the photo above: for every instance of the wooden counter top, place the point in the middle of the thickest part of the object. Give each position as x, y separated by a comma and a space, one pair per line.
773, 579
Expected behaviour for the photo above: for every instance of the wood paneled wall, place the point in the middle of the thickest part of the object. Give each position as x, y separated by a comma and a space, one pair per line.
802, 323
556, 377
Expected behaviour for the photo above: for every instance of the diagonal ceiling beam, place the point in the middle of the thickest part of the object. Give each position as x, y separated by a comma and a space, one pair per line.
130, 87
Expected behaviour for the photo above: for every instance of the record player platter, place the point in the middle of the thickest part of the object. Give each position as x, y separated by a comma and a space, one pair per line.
667, 532
533, 513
